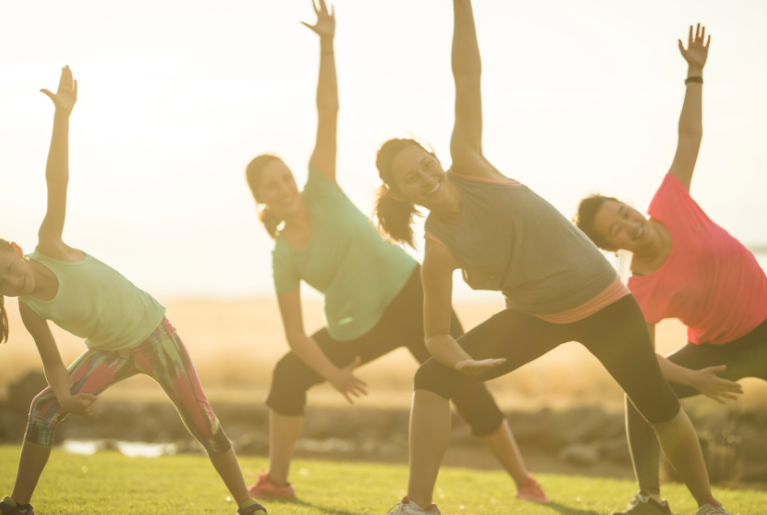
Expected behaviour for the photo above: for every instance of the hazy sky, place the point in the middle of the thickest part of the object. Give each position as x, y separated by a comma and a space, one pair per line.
177, 96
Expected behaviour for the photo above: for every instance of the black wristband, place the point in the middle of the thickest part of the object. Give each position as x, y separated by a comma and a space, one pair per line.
696, 78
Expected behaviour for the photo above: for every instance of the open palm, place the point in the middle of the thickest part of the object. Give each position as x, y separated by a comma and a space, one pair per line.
326, 21
472, 367
66, 96
696, 52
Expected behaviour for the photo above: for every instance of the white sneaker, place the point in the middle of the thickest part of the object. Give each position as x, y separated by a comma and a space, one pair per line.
410, 508
708, 509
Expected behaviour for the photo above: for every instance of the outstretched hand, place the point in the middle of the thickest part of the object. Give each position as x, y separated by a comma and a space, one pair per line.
326, 20
66, 96
347, 383
472, 367
696, 52
81, 404
708, 382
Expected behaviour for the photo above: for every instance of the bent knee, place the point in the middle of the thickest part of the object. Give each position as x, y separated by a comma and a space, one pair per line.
437, 378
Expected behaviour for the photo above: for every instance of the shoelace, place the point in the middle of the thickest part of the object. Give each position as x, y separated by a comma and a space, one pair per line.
391, 510
638, 498
718, 510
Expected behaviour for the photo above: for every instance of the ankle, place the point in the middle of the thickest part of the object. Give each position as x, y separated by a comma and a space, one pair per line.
422, 502
655, 497
272, 480
710, 500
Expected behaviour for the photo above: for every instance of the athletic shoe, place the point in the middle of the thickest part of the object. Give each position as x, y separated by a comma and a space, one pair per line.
709, 509
643, 504
531, 491
410, 508
265, 489
253, 509
9, 507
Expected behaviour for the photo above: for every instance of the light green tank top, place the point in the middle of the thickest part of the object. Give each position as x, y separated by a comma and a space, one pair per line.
95, 302
346, 259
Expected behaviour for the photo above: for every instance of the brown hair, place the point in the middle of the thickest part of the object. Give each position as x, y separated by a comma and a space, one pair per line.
5, 329
253, 175
587, 212
395, 217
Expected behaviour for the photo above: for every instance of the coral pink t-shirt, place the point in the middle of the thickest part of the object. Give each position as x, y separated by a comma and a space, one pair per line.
709, 281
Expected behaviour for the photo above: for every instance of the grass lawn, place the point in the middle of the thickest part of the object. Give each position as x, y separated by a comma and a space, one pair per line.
109, 483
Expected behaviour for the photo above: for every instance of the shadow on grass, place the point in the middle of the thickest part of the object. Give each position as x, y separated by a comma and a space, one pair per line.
569, 510
322, 509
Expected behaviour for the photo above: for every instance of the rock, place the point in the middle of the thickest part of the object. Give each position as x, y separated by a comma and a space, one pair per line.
580, 454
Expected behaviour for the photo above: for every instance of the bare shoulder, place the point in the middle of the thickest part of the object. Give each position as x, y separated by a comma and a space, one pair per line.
478, 167
59, 251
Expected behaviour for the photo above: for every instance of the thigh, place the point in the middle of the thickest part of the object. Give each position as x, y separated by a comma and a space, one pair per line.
92, 372
510, 334
618, 337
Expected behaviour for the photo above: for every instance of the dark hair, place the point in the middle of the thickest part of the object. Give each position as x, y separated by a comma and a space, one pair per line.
395, 217
587, 212
5, 329
253, 175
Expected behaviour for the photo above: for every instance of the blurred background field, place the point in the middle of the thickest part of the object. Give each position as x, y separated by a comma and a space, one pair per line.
235, 344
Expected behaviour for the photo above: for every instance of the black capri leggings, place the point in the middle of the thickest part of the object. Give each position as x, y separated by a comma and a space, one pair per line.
617, 335
744, 357
400, 326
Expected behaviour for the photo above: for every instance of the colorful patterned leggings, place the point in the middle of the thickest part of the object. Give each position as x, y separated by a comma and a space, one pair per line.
163, 357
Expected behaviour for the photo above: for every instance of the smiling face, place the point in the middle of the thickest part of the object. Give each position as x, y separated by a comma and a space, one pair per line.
16, 274
277, 189
419, 178
623, 227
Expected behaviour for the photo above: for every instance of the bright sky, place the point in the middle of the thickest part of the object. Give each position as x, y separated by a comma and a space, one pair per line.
176, 96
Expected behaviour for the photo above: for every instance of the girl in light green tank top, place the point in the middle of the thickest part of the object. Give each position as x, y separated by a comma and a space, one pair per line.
123, 326
372, 291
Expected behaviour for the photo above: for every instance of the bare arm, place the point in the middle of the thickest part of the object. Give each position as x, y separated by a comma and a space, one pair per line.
55, 372
437, 277
466, 141
691, 119
310, 353
324, 155
57, 168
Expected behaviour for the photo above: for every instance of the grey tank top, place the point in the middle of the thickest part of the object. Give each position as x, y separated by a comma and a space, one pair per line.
511, 240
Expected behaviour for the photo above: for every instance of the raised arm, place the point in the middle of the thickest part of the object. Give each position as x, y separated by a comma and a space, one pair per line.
57, 168
466, 142
691, 119
304, 346
324, 155
437, 277
56, 373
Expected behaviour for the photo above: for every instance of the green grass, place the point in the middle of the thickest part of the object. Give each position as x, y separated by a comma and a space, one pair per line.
109, 483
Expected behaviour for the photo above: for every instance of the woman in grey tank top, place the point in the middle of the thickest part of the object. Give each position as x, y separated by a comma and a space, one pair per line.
558, 287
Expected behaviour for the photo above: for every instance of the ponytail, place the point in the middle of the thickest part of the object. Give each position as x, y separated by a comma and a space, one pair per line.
395, 217
5, 329
253, 176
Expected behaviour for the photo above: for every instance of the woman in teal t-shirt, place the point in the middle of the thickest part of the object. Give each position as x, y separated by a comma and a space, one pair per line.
124, 328
372, 289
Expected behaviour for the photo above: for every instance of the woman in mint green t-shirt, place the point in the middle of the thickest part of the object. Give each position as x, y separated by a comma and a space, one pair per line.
372, 290
124, 328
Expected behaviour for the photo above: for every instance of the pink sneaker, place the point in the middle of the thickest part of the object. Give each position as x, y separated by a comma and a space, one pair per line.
264, 488
531, 491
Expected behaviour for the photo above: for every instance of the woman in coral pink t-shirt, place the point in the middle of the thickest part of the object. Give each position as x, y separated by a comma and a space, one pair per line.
685, 266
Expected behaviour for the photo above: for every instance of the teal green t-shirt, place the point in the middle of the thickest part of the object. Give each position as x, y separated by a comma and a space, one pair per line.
346, 260
94, 301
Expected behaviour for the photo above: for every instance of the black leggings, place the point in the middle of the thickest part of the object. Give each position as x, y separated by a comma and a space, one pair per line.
617, 335
400, 326
744, 357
